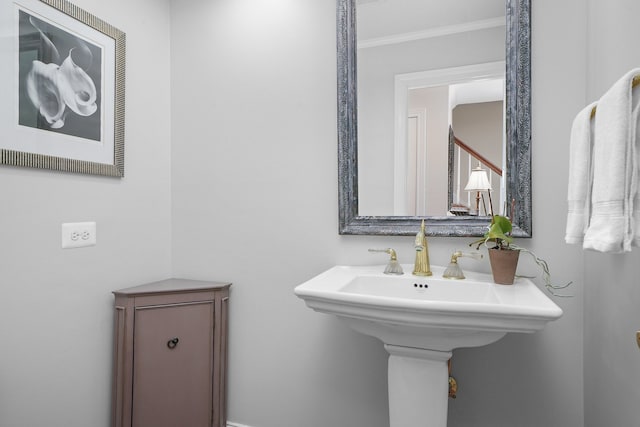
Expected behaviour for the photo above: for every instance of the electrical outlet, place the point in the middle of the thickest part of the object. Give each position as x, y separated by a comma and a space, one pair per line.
78, 234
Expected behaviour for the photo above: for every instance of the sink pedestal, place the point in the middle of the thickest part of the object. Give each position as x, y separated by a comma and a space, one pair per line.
418, 387
412, 314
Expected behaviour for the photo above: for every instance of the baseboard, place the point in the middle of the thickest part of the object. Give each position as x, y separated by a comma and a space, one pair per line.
230, 424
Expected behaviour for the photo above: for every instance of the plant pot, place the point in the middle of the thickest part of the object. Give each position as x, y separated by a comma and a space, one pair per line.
503, 265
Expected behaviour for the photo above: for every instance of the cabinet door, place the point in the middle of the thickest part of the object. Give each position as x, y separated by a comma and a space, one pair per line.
172, 367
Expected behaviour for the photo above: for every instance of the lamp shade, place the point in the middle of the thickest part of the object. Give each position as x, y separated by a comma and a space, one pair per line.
478, 180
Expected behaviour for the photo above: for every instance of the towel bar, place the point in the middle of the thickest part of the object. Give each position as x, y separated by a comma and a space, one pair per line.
635, 82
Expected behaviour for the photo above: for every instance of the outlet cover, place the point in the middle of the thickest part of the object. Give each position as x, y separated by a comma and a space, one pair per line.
78, 234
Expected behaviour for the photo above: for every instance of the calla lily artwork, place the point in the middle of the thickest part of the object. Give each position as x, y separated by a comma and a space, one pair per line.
62, 82
60, 79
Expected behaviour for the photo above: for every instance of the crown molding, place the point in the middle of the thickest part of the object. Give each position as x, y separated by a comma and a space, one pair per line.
433, 32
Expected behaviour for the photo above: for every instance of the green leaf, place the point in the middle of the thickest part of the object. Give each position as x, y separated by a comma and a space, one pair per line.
497, 233
503, 223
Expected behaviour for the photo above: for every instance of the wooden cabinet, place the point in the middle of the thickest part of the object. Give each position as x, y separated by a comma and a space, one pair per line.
170, 351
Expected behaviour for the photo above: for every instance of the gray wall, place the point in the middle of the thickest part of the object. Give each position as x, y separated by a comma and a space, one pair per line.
481, 126
612, 316
56, 319
533, 381
246, 192
255, 202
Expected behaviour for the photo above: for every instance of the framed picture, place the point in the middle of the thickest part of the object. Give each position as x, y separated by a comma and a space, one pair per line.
62, 83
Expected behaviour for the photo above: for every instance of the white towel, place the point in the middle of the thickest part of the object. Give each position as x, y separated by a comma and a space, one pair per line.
580, 175
635, 189
614, 170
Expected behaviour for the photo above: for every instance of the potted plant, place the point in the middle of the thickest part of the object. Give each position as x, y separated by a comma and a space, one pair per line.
504, 254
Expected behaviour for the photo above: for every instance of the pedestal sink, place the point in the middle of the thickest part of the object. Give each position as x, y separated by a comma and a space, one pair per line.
421, 320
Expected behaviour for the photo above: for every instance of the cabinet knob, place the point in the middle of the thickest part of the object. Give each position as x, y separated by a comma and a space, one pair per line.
172, 343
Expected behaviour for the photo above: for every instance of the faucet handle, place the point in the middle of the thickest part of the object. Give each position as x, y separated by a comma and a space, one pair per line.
389, 251
393, 267
459, 254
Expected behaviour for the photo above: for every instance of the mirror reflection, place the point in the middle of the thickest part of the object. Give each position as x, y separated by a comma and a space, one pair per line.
477, 150
406, 106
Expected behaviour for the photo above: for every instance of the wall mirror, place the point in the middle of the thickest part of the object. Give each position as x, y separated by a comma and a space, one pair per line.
407, 50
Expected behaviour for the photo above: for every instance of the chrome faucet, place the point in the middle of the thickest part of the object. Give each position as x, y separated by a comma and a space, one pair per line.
421, 266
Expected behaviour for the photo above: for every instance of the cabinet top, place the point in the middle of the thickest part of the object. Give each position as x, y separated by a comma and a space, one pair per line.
172, 285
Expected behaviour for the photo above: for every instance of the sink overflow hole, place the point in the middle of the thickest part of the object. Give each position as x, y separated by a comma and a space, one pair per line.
420, 285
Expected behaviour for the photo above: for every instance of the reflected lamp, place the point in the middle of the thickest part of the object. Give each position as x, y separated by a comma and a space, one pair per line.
478, 182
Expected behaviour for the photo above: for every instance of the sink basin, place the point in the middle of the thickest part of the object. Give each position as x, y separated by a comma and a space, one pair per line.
429, 289
428, 312
421, 320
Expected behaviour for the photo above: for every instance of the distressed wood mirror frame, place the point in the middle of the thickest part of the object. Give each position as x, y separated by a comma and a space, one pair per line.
518, 134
